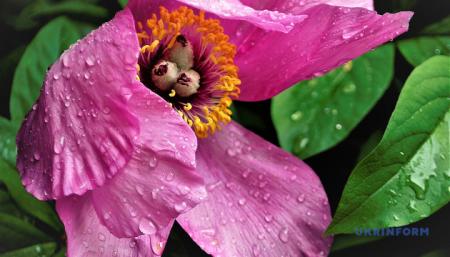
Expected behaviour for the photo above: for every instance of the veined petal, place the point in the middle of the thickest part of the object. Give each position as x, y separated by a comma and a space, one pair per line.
79, 133
225, 9
261, 200
87, 237
328, 38
155, 186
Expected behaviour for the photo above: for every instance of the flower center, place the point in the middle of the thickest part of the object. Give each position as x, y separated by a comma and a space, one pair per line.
187, 60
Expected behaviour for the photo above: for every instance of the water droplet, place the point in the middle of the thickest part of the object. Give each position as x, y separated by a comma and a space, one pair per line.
338, 126
132, 243
36, 156
303, 142
101, 237
301, 198
349, 88
412, 206
57, 148
90, 61
395, 217
157, 246
268, 218
147, 226
180, 207
296, 116
140, 190
170, 176
284, 235
153, 161
242, 201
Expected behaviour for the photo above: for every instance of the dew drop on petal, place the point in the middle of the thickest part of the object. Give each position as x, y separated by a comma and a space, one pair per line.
147, 226
284, 235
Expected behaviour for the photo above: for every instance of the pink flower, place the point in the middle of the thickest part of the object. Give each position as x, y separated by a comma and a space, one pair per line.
132, 130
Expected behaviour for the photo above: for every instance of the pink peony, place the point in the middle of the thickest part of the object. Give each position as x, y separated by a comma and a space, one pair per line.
132, 129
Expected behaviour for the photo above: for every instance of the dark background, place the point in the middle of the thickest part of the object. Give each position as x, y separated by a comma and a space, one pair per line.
333, 166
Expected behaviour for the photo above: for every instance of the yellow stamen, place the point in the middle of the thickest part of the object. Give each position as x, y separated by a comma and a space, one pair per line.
222, 55
187, 106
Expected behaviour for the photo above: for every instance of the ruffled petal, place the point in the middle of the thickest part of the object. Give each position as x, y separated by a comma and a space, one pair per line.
328, 38
295, 7
155, 186
79, 133
225, 9
87, 237
261, 200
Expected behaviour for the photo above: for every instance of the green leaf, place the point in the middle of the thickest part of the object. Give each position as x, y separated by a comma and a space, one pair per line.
341, 242
39, 250
123, 3
317, 114
442, 27
407, 176
417, 50
370, 144
16, 233
29, 16
39, 209
45, 48
8, 132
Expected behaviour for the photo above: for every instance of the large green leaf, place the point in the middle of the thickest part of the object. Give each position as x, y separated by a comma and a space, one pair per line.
417, 50
317, 114
39, 250
30, 15
434, 40
407, 176
39, 55
41, 210
16, 233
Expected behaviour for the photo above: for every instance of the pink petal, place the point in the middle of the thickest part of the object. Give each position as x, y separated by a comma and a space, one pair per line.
261, 200
86, 237
296, 7
155, 186
328, 38
79, 133
226, 9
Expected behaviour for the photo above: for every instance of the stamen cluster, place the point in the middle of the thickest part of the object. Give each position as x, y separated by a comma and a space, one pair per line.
187, 60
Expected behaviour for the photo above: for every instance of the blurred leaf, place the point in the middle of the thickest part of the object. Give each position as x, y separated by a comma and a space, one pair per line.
8, 132
417, 50
39, 250
341, 242
123, 3
60, 253
442, 27
45, 48
6, 204
39, 209
28, 17
437, 253
16, 233
370, 144
317, 114
433, 40
407, 177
